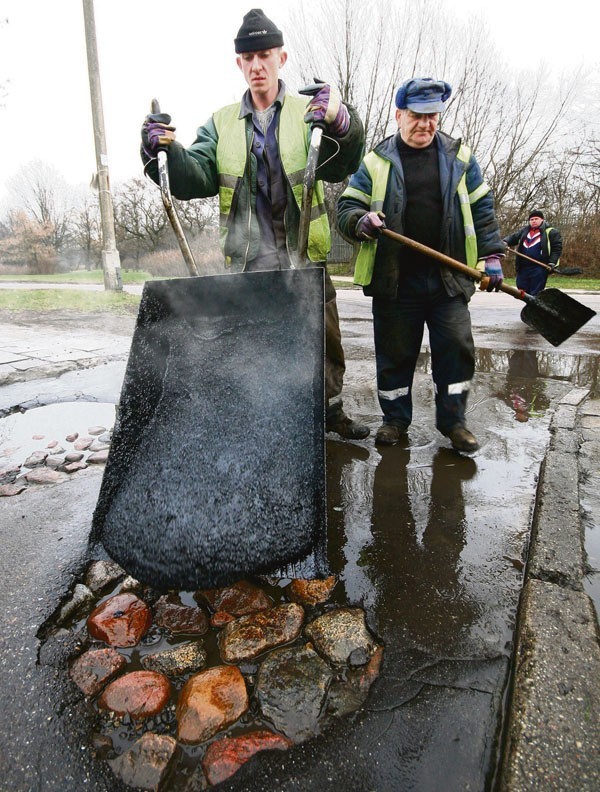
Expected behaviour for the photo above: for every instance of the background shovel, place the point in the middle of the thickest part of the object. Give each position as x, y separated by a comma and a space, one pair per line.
566, 271
554, 314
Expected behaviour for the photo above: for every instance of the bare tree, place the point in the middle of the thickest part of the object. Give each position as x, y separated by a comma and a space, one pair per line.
38, 190
27, 243
515, 126
86, 232
140, 219
199, 215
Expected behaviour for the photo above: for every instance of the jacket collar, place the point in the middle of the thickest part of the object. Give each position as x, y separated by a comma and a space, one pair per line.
388, 148
246, 106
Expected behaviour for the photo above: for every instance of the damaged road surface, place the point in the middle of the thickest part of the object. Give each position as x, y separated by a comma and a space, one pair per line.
430, 544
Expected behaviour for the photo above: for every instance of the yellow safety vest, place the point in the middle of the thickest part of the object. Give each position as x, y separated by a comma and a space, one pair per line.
379, 169
232, 155
548, 229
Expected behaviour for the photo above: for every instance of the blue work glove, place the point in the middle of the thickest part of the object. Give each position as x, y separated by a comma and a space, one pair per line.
157, 133
326, 107
493, 271
369, 226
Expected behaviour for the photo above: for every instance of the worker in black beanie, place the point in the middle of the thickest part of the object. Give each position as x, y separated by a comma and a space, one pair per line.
253, 154
540, 241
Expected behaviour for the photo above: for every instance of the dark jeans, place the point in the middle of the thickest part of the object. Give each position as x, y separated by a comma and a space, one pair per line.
398, 327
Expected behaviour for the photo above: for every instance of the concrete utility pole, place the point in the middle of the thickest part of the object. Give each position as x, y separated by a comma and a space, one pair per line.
110, 255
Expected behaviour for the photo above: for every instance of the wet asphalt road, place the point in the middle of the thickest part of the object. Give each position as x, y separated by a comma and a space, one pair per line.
429, 542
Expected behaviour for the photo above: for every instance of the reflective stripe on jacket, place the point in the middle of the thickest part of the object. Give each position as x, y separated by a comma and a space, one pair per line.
233, 146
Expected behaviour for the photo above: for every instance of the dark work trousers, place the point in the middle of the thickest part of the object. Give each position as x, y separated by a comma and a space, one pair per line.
335, 364
398, 327
531, 278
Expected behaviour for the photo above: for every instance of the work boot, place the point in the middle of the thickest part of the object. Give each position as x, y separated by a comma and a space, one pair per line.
390, 434
341, 424
462, 439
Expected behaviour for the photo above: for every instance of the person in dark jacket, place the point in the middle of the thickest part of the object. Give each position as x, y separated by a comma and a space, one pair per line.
538, 241
253, 154
427, 186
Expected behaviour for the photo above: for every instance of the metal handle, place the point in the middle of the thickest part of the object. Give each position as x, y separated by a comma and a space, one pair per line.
165, 190
307, 192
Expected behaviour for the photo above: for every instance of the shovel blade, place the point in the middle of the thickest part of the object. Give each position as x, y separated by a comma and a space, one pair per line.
217, 464
555, 315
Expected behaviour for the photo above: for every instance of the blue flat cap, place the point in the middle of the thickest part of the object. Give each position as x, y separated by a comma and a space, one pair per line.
423, 95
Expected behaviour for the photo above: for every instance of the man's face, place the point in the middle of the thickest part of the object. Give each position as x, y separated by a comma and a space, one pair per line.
261, 71
417, 129
535, 222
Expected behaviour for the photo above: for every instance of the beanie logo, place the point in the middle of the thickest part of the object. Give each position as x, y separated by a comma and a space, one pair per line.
257, 33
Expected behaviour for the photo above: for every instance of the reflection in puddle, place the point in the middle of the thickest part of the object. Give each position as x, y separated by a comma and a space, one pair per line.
580, 370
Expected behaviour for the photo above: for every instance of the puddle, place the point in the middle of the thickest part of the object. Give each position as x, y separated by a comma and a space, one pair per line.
22, 434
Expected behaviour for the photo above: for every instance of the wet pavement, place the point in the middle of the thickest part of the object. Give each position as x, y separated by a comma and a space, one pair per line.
432, 544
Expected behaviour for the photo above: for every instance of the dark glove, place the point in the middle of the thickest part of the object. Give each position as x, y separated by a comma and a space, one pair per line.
326, 107
553, 267
494, 274
157, 133
369, 226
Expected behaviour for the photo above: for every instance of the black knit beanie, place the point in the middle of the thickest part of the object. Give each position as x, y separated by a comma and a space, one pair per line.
536, 213
257, 33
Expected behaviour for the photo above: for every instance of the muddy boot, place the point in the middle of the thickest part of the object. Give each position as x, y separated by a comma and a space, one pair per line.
462, 439
345, 427
390, 434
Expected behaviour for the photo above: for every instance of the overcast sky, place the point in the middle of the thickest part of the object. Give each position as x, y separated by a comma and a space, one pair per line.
181, 51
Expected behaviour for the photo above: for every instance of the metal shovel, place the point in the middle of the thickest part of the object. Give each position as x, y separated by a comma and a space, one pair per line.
554, 314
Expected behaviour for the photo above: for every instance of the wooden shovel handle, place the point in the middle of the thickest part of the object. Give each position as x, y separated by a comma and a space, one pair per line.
535, 261
470, 272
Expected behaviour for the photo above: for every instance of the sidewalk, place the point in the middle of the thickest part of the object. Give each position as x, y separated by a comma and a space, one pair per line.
30, 352
553, 735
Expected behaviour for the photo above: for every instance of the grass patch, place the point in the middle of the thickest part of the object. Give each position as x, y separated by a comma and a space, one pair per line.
43, 300
80, 276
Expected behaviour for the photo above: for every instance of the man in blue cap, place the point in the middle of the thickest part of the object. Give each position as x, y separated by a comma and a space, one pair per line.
425, 185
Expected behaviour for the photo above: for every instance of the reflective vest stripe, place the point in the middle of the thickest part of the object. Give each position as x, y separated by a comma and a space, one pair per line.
479, 192
352, 192
379, 169
464, 155
548, 229
232, 156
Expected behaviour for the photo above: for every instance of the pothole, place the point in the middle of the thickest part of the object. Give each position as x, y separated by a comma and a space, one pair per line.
185, 687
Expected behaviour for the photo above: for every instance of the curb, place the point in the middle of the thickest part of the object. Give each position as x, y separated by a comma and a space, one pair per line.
552, 738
